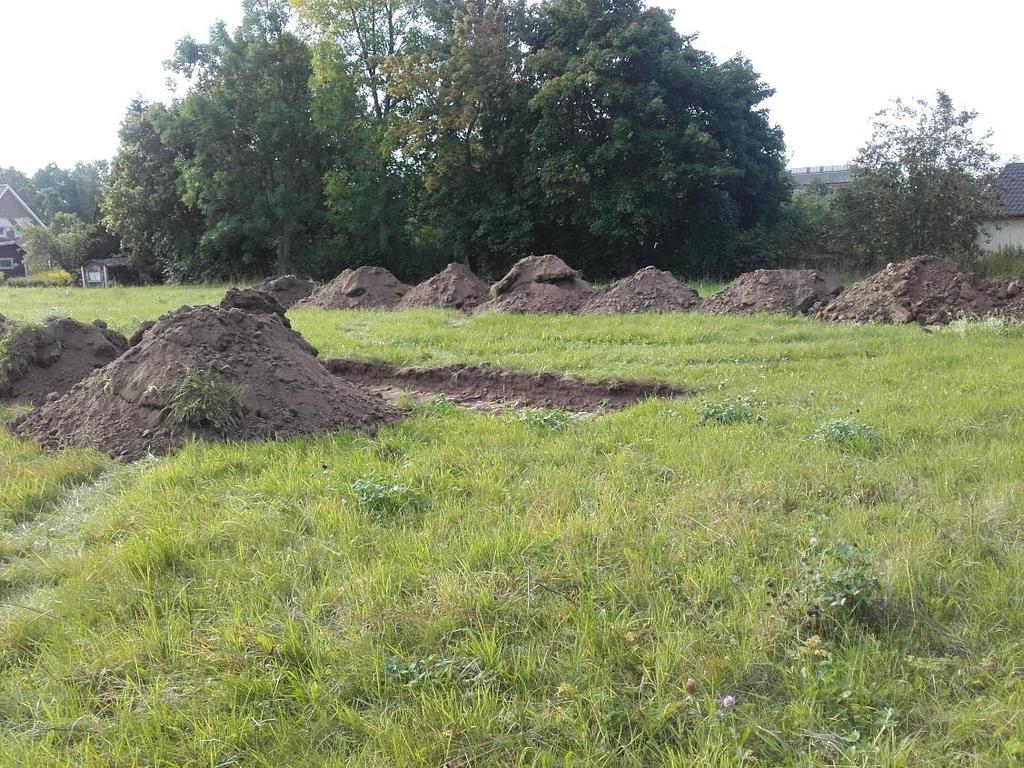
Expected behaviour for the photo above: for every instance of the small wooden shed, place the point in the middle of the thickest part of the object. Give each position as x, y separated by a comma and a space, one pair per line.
102, 273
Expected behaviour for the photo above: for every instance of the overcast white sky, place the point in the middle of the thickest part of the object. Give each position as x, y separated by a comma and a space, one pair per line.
73, 66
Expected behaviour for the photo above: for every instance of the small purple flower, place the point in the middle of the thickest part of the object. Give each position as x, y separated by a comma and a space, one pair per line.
728, 702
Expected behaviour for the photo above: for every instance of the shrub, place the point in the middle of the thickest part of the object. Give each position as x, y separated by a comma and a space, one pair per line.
1007, 264
50, 278
206, 399
734, 410
849, 435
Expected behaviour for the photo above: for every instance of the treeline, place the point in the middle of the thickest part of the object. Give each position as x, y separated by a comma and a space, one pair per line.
410, 133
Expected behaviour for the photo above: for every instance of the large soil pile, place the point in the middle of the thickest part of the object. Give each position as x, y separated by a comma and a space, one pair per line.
287, 289
358, 288
253, 300
925, 290
649, 290
260, 380
774, 291
539, 284
53, 357
455, 287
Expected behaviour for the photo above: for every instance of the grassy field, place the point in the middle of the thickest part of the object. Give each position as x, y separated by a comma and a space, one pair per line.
816, 560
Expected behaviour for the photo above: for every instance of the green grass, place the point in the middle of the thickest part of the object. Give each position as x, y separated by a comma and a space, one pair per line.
475, 590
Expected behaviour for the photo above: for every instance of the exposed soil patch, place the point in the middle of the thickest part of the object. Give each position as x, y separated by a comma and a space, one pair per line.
455, 287
287, 289
277, 388
53, 357
774, 291
494, 388
925, 290
254, 300
358, 288
649, 290
538, 285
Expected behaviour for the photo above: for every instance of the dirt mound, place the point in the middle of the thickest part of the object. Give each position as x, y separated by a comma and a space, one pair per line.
539, 284
287, 289
494, 388
358, 288
36, 361
925, 290
774, 291
253, 300
1008, 299
223, 374
649, 290
455, 287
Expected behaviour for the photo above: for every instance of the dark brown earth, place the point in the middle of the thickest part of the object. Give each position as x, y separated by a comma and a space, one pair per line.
55, 356
494, 388
358, 288
1009, 299
254, 300
287, 289
538, 285
455, 287
774, 291
285, 391
925, 290
649, 290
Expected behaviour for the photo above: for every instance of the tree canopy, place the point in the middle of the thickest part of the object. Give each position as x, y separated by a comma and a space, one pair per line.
409, 133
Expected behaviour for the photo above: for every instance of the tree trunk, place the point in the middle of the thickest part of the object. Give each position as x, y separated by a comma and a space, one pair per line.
284, 253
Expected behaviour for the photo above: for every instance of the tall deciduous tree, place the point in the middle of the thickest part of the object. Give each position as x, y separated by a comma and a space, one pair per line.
644, 147
920, 185
255, 162
142, 203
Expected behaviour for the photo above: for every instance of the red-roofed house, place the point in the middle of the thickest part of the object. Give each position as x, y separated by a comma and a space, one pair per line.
15, 218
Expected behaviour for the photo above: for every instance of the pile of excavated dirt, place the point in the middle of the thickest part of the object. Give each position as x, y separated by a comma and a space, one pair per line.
455, 287
254, 300
287, 289
774, 291
53, 357
263, 380
925, 290
493, 389
358, 288
537, 285
649, 290
1009, 299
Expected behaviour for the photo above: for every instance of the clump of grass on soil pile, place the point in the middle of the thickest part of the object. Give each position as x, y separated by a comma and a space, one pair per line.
207, 400
639, 589
17, 348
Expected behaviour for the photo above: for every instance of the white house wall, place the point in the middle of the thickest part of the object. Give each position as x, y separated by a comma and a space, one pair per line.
1002, 234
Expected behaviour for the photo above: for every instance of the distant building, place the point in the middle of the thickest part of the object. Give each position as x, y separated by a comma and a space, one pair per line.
1006, 229
15, 218
829, 177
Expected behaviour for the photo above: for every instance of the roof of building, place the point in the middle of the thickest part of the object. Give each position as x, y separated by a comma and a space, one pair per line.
7, 189
1010, 183
821, 174
114, 261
